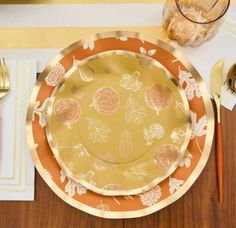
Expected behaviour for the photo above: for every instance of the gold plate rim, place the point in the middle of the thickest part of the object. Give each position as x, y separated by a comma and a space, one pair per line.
155, 181
193, 176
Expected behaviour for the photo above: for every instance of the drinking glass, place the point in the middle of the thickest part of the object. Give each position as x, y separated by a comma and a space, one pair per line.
192, 22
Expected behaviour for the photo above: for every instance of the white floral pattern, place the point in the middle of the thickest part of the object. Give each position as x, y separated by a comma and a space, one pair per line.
150, 52
131, 82
71, 187
151, 197
186, 161
56, 75
154, 131
191, 86
136, 172
177, 135
41, 111
174, 184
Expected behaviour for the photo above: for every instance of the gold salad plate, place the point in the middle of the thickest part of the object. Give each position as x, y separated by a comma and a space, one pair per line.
114, 118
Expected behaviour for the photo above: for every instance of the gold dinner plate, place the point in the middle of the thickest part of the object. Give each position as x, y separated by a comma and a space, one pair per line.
114, 117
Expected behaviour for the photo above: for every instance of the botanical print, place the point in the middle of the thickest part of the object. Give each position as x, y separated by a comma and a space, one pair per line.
131, 82
103, 206
136, 172
56, 75
199, 128
165, 155
122, 38
177, 135
86, 73
41, 111
180, 110
80, 150
106, 100
135, 112
174, 184
89, 45
98, 131
71, 187
191, 86
186, 161
154, 131
147, 52
67, 111
126, 144
151, 197
88, 177
158, 97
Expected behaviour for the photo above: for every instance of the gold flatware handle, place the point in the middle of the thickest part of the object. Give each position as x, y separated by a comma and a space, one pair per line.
219, 160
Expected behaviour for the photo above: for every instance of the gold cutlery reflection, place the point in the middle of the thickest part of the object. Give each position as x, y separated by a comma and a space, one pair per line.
4, 86
4, 79
215, 86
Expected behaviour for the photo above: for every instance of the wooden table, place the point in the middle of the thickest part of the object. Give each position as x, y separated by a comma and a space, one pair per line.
199, 207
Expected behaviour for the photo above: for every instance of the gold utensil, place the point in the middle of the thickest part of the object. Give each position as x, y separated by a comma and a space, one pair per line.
231, 78
4, 79
4, 85
215, 86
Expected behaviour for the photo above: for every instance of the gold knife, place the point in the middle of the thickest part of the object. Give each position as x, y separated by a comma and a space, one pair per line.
215, 86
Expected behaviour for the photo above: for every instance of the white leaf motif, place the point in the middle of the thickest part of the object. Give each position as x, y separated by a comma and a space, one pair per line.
71, 188
198, 128
150, 52
122, 38
135, 112
89, 45
186, 161
41, 111
98, 131
174, 184
192, 88
103, 206
177, 135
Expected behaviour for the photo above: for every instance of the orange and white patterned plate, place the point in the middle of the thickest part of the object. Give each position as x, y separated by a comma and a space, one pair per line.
164, 193
116, 125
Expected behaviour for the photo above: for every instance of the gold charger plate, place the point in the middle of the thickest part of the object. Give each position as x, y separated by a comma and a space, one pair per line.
114, 117
170, 189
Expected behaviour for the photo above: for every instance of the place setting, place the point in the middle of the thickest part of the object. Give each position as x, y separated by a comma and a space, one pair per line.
120, 124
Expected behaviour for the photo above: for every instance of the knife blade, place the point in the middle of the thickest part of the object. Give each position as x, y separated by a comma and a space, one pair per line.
215, 86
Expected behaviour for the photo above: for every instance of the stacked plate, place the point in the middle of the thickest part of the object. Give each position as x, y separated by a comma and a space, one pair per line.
120, 125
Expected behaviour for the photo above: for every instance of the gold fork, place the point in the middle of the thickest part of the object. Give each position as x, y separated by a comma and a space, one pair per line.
4, 79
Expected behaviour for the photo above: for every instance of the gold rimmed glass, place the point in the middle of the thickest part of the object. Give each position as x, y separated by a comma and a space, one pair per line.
192, 22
